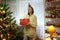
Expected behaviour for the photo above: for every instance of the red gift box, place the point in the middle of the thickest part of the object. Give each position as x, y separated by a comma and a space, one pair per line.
24, 22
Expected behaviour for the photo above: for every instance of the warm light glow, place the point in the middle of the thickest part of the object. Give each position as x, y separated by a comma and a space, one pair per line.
4, 39
50, 39
1, 8
1, 35
51, 29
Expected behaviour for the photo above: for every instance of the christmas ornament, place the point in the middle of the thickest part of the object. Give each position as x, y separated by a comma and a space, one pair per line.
8, 17
4, 38
9, 35
7, 26
1, 26
1, 35
3, 29
1, 19
50, 38
0, 11
3, 12
1, 8
4, 18
6, 21
51, 30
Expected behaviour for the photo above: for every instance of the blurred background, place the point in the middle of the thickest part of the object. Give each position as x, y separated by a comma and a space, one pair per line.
20, 9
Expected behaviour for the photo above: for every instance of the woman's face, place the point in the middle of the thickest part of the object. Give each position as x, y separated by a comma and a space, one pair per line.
29, 10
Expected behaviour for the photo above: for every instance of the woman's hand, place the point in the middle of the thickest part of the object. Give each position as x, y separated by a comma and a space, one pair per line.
28, 23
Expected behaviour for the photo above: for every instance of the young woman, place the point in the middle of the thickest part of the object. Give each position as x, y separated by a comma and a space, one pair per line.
30, 29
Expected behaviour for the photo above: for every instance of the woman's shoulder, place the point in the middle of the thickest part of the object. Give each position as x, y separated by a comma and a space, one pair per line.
34, 16
26, 16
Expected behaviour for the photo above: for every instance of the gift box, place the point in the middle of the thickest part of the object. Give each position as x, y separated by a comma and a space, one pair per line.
24, 22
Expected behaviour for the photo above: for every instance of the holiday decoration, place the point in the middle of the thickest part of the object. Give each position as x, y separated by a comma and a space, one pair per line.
9, 35
4, 38
0, 11
24, 22
0, 19
51, 30
1, 35
8, 26
1, 8
3, 11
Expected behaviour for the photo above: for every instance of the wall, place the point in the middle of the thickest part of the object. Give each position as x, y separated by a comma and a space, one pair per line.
20, 8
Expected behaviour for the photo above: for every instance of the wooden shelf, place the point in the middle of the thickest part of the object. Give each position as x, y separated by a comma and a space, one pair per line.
52, 23
53, 1
52, 15
53, 4
52, 18
53, 8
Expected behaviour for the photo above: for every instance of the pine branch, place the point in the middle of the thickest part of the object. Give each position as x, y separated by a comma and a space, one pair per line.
9, 13
12, 19
6, 9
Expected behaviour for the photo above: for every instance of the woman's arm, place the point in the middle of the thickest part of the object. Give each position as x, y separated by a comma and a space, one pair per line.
33, 23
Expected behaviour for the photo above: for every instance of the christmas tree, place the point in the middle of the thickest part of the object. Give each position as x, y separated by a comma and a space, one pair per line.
8, 26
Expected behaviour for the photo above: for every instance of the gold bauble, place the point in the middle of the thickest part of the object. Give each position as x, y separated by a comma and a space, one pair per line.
1, 8
1, 26
9, 35
1, 35
3, 29
4, 38
7, 25
3, 12
47, 39
50, 39
0, 11
8, 17
1, 19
